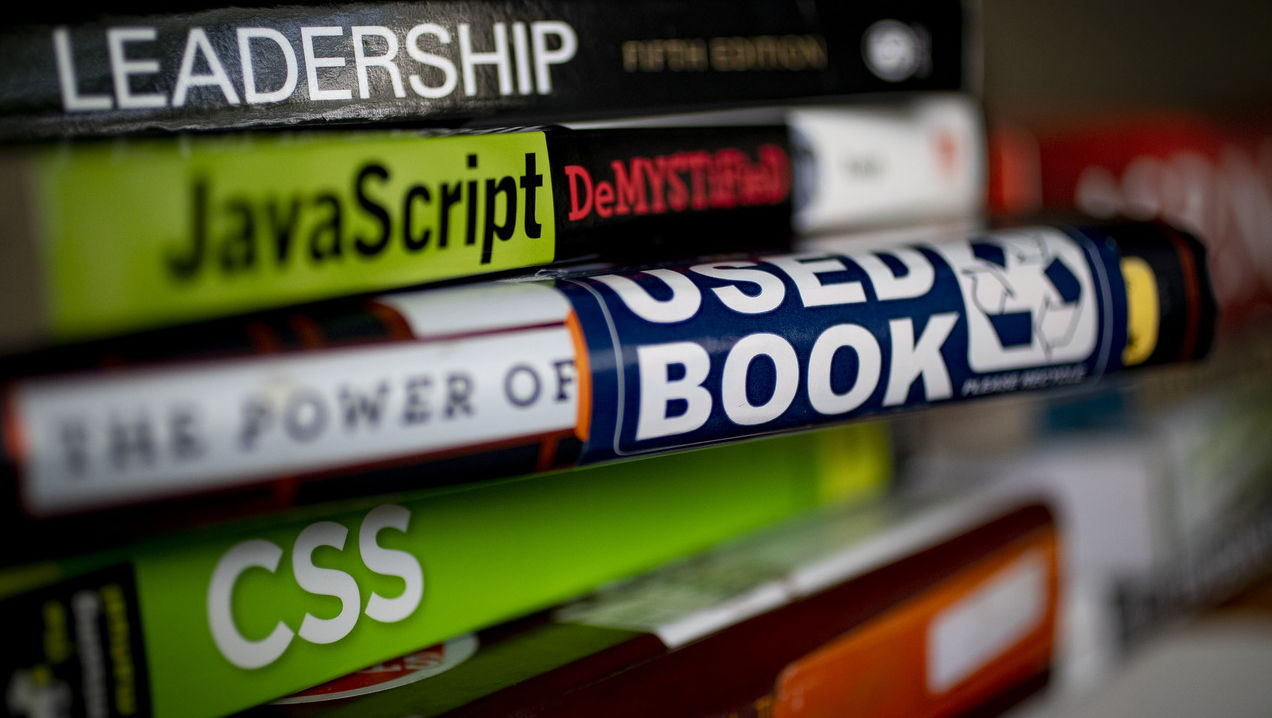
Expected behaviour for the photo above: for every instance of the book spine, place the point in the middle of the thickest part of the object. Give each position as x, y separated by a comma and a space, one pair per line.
205, 623
888, 164
448, 62
794, 622
1203, 174
600, 366
696, 354
174, 231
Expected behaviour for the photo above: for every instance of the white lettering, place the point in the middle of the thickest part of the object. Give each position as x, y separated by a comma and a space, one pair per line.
915, 282
121, 68
251, 94
390, 562
325, 582
243, 652
361, 61
804, 270
312, 63
658, 390
733, 396
540, 31
521, 50
72, 101
684, 302
770, 296
910, 361
821, 364
451, 77
197, 42
469, 59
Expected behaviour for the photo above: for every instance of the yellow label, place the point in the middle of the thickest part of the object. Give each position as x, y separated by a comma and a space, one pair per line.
159, 232
1142, 311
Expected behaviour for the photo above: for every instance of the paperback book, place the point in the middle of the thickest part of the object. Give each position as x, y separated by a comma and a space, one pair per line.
114, 237
917, 612
206, 622
1212, 176
519, 376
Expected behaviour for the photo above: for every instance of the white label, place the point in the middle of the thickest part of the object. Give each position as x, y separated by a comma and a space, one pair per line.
899, 163
97, 440
1030, 299
972, 632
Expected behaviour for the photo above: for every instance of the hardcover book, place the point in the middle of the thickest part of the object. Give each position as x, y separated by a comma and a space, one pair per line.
448, 62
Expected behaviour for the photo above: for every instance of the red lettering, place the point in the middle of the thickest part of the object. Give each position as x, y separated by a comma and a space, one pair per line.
779, 172
604, 197
575, 173
698, 164
629, 188
683, 180
677, 192
654, 173
728, 172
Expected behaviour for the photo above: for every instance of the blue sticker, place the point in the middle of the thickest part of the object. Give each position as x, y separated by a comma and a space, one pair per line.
687, 355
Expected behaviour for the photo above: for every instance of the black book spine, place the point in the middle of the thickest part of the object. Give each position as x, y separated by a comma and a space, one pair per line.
456, 62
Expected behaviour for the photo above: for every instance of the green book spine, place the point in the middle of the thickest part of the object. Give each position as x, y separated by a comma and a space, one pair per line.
109, 237
217, 620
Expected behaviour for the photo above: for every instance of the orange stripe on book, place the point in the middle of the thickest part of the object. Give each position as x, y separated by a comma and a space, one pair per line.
307, 329
262, 338
885, 667
547, 452
392, 319
15, 439
583, 374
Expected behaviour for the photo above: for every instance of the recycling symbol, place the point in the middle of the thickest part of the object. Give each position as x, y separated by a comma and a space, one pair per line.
1030, 295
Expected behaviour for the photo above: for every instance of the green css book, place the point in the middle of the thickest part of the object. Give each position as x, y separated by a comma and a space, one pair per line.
216, 620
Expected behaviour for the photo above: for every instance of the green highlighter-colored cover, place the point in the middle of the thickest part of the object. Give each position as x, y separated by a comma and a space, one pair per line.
151, 233
210, 622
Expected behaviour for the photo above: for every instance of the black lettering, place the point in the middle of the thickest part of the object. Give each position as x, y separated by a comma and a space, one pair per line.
186, 265
305, 416
563, 379
183, 424
508, 188
510, 379
74, 437
256, 416
417, 410
418, 242
450, 197
530, 182
238, 249
458, 390
332, 230
364, 246
470, 215
283, 227
131, 442
356, 404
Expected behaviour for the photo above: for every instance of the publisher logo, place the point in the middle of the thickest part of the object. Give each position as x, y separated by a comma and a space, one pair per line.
893, 50
1029, 299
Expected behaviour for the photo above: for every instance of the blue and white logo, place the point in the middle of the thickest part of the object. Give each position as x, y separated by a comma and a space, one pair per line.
1029, 299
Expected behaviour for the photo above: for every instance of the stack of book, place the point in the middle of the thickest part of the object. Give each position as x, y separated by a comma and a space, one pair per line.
324, 353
